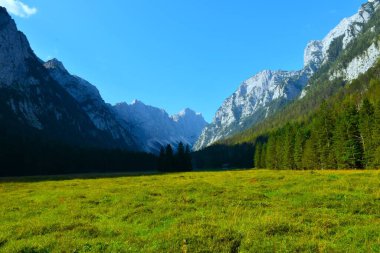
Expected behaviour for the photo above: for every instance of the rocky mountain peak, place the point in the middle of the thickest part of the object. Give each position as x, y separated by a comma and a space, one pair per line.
5, 18
187, 112
55, 64
14, 50
154, 127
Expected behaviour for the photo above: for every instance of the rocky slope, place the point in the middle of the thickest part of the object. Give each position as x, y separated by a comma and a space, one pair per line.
266, 92
33, 102
153, 127
87, 95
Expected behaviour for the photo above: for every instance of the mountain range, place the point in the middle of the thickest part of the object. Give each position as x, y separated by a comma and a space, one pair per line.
269, 91
154, 128
44, 98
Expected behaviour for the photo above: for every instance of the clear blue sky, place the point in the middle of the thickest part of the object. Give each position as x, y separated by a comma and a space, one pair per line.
177, 53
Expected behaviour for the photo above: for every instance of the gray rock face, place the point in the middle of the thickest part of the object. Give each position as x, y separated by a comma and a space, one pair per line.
87, 95
313, 55
153, 127
252, 102
32, 101
14, 50
266, 92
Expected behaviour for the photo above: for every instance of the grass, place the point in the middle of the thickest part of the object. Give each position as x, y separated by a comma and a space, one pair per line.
233, 211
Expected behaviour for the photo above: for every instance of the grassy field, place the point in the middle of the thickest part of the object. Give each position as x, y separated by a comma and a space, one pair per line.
235, 211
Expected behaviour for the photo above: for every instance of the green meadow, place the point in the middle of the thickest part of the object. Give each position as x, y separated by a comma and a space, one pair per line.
232, 211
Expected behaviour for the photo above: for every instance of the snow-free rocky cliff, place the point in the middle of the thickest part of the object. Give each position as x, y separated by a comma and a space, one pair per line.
32, 101
102, 115
153, 127
266, 92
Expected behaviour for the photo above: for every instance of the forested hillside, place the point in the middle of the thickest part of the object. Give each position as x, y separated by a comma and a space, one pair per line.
343, 133
334, 124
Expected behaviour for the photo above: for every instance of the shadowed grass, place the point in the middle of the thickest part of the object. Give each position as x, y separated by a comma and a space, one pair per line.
234, 211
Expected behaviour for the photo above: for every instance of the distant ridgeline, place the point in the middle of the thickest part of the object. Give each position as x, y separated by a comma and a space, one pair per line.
335, 122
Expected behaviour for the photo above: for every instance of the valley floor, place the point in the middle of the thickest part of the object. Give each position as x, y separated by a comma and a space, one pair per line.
233, 211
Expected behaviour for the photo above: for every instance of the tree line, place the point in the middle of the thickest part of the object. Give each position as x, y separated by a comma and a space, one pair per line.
224, 156
337, 137
28, 156
169, 161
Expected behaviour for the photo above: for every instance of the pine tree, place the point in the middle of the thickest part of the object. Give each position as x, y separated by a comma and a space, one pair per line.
309, 157
279, 157
323, 128
263, 159
288, 148
161, 160
299, 144
188, 163
169, 158
271, 157
258, 155
180, 159
348, 146
366, 126
376, 138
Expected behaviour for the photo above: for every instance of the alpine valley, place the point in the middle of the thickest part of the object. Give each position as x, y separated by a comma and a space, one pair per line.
290, 162
44, 109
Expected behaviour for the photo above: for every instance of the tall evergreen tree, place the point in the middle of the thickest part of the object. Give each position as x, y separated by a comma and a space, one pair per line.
310, 157
279, 157
169, 158
348, 146
299, 144
288, 148
376, 138
323, 129
263, 157
161, 160
188, 162
180, 159
258, 155
271, 157
367, 129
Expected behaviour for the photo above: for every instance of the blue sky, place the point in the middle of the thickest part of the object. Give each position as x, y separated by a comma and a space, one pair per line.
175, 53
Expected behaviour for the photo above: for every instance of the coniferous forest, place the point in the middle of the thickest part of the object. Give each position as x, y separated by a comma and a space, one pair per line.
343, 133
169, 161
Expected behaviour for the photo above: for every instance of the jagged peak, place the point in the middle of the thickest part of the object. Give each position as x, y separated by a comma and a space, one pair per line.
55, 64
4, 13
137, 102
186, 111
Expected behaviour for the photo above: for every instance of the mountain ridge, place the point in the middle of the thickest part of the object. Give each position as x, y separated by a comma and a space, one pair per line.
154, 127
268, 95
